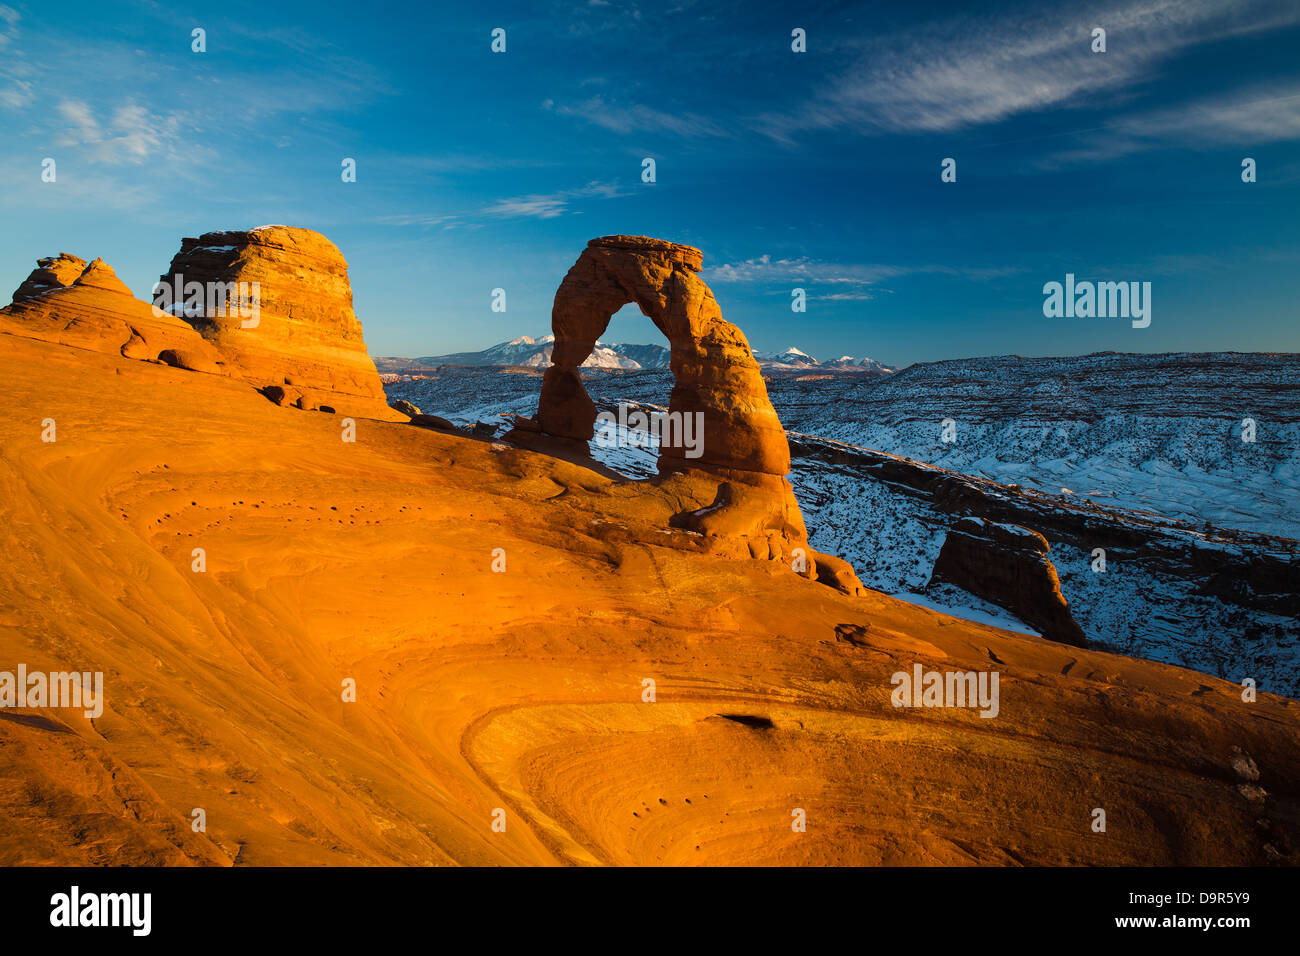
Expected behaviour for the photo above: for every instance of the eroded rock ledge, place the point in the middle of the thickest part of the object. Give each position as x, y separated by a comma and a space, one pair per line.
1008, 565
71, 302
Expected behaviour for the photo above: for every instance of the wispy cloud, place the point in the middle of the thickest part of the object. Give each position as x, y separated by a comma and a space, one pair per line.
853, 281
417, 219
550, 205
130, 135
1247, 117
846, 297
298, 72
74, 191
536, 206
16, 85
528, 207
967, 72
766, 269
638, 118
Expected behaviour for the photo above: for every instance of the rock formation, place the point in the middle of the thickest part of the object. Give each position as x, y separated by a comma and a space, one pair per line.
68, 301
713, 368
1007, 565
739, 467
302, 337
297, 338
52, 272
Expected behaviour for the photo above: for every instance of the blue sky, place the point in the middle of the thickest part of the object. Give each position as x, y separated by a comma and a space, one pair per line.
821, 170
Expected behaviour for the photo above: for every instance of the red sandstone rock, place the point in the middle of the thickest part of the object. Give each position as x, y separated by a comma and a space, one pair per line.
304, 334
52, 272
736, 494
95, 310
1008, 566
711, 361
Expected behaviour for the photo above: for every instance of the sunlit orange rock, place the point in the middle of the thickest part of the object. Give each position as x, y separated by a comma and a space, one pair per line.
95, 310
52, 272
520, 684
299, 333
528, 635
713, 368
734, 483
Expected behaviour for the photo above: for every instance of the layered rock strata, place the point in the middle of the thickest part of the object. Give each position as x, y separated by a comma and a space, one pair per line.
68, 301
281, 314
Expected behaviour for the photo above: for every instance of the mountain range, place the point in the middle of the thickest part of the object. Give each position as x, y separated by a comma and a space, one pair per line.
535, 352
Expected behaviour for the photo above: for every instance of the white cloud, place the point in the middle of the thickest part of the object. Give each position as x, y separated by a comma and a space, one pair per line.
967, 72
17, 94
550, 205
417, 219
1247, 117
81, 117
537, 206
530, 207
16, 87
766, 269
131, 135
75, 191
847, 297
859, 276
639, 118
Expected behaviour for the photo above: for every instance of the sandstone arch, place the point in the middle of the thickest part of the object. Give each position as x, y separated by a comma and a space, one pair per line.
735, 493
713, 369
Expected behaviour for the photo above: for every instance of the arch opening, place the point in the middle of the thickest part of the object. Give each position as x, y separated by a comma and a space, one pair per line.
630, 382
718, 412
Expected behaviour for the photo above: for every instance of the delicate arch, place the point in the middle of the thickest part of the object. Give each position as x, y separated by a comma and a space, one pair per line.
714, 371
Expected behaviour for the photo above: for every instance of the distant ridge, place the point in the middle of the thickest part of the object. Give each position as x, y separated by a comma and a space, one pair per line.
528, 351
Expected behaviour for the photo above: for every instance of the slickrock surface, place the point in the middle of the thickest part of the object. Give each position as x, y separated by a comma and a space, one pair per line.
523, 690
95, 310
307, 341
1008, 566
735, 492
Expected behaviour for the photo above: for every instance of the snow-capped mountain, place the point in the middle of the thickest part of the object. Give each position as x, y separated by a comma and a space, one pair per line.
791, 357
602, 356
535, 352
529, 352
797, 360
848, 363
646, 356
